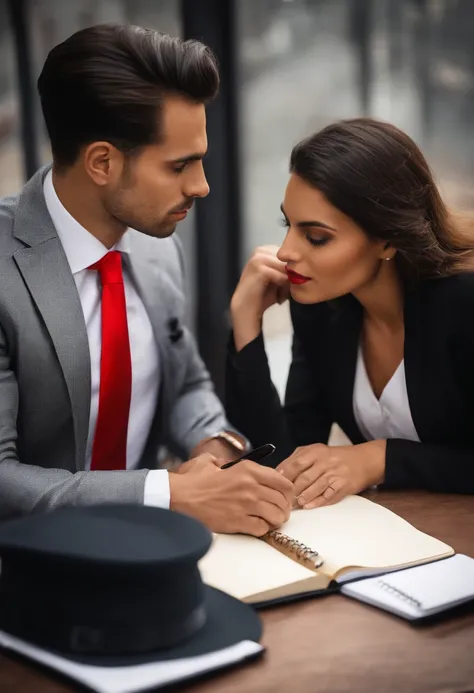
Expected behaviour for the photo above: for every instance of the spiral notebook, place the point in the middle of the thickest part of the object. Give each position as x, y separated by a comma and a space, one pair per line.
419, 592
315, 548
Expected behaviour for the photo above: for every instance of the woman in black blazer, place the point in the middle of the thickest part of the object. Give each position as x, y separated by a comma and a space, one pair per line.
382, 304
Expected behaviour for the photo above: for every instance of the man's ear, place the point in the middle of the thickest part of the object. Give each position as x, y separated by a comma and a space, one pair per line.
103, 162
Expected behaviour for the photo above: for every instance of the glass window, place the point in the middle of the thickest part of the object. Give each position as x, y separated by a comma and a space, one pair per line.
305, 63
11, 161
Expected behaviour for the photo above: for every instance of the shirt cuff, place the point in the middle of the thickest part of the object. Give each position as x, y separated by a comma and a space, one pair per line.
157, 489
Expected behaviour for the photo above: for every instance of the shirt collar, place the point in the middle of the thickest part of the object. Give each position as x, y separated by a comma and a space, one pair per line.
82, 249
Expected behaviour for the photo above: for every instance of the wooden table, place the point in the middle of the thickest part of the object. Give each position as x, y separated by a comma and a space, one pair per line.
334, 644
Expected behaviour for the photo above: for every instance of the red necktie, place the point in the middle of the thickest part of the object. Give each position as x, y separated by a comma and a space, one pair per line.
110, 441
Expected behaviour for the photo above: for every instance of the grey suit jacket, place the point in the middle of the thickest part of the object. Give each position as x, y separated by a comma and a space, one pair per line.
45, 365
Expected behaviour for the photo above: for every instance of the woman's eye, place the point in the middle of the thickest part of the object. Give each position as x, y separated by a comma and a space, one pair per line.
284, 222
317, 241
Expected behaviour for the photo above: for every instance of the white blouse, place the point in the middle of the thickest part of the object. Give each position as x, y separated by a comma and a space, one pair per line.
387, 417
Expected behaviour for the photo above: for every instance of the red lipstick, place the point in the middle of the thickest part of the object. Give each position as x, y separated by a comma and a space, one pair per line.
296, 278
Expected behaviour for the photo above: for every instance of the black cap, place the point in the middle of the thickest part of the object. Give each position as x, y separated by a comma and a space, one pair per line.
113, 585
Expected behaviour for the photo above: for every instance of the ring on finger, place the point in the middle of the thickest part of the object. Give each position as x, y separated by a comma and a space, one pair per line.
331, 490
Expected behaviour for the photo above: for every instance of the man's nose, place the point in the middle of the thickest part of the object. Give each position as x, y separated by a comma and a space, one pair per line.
199, 187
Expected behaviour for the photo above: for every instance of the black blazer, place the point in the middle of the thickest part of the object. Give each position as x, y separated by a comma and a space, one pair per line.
439, 371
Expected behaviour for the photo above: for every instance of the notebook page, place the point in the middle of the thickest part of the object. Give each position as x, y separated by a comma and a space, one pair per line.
420, 591
357, 532
371, 592
436, 584
243, 566
131, 679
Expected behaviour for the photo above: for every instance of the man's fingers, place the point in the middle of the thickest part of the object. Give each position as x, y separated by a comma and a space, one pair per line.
219, 461
272, 514
273, 479
255, 526
276, 498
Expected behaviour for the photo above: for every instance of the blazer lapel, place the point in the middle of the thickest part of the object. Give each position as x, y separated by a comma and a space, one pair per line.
431, 391
46, 272
345, 332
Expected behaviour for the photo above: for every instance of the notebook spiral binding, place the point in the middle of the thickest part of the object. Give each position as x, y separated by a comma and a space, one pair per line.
399, 593
302, 551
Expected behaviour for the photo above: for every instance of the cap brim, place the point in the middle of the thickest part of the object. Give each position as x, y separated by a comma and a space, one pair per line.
229, 621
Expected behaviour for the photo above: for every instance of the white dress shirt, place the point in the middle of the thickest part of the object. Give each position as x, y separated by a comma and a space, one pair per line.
387, 417
82, 250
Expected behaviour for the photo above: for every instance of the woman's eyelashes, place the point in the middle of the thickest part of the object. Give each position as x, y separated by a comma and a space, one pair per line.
314, 240
321, 240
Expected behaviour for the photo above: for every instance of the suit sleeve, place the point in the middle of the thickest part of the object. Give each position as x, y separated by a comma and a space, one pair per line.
254, 406
27, 488
197, 412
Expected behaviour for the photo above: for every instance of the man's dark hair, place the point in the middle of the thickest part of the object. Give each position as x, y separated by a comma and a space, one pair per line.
108, 82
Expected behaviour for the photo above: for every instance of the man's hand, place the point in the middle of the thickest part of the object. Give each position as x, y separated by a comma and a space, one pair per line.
205, 463
216, 447
246, 499
324, 475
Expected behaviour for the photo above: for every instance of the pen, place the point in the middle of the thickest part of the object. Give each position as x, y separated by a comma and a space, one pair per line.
254, 455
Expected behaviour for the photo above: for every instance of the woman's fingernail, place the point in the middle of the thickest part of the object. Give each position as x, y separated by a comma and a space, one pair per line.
301, 501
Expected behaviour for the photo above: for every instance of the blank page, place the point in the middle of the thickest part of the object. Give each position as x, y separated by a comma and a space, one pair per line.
436, 584
358, 533
243, 566
419, 591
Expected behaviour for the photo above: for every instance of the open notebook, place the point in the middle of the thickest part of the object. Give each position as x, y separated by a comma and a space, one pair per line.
349, 540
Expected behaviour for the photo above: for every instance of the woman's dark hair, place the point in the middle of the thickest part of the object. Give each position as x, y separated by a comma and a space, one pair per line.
376, 175
107, 82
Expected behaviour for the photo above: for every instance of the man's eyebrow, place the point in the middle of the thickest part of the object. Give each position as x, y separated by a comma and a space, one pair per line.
309, 224
197, 156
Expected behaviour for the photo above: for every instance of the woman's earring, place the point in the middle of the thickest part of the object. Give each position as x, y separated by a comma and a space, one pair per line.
387, 258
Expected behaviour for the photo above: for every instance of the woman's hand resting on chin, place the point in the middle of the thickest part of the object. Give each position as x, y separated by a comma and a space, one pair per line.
263, 283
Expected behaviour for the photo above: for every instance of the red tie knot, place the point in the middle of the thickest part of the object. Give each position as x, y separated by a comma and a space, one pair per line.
109, 268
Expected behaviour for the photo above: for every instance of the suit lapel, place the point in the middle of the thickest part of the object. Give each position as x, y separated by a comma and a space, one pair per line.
46, 272
431, 392
345, 333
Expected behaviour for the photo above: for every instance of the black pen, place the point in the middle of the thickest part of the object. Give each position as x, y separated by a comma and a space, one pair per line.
254, 455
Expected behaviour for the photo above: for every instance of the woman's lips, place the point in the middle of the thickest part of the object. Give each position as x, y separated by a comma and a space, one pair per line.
296, 278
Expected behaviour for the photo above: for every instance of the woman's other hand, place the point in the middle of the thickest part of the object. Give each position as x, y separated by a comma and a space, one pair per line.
324, 475
263, 283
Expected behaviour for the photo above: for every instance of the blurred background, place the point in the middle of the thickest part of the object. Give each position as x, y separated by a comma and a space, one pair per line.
288, 68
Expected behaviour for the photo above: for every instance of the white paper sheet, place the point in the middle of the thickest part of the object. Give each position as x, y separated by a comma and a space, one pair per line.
421, 591
140, 677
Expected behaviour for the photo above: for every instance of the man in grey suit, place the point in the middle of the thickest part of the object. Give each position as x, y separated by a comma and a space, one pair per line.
97, 370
